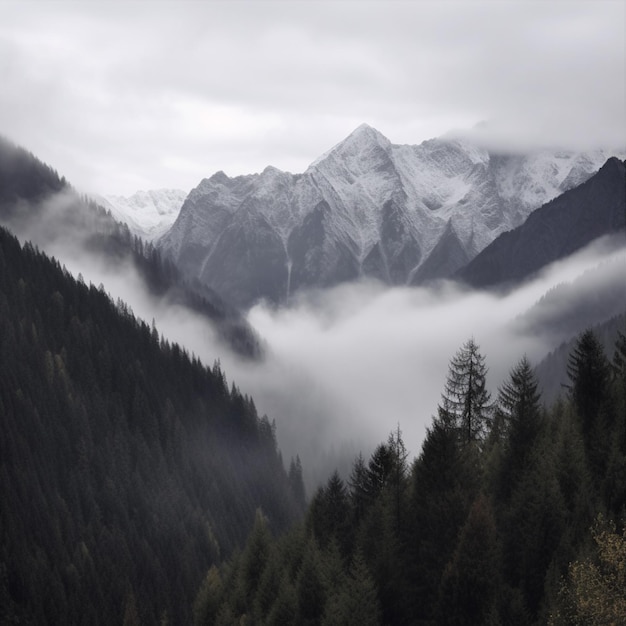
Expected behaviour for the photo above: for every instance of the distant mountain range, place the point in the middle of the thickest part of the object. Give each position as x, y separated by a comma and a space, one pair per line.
401, 214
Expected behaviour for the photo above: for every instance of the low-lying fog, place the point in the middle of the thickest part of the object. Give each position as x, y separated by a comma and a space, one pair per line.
345, 366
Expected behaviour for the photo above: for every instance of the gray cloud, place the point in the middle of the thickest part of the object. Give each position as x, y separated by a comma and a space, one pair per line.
119, 96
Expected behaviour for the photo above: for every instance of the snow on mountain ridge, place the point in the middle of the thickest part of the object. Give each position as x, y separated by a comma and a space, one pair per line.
366, 206
148, 214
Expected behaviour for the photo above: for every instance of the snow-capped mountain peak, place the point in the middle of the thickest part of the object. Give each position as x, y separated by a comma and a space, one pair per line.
148, 214
367, 207
361, 141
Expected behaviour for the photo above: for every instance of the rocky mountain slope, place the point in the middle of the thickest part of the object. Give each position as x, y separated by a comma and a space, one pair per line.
148, 214
555, 230
402, 214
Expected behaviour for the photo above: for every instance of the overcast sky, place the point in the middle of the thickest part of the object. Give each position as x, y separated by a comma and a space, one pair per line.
121, 96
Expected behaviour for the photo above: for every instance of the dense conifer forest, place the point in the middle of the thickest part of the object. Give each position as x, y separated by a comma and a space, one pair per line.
138, 487
127, 468
512, 513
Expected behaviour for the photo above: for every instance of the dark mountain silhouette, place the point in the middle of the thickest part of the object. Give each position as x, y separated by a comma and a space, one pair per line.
554, 231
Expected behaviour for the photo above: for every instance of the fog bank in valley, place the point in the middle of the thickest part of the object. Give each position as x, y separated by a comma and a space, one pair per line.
345, 366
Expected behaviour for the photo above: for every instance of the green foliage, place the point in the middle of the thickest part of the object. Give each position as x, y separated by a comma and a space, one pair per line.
297, 482
209, 597
470, 584
355, 602
619, 358
128, 470
589, 372
125, 463
444, 483
478, 530
310, 589
519, 410
329, 514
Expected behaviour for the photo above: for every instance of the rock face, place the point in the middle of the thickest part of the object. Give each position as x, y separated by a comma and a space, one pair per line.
555, 230
398, 213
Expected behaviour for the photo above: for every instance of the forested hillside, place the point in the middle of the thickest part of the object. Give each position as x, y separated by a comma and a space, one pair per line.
552, 370
37, 204
511, 514
127, 467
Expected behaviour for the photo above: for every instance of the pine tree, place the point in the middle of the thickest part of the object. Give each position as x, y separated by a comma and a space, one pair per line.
465, 401
589, 372
380, 469
208, 600
533, 527
329, 514
519, 406
443, 486
358, 483
255, 556
296, 481
356, 602
469, 587
310, 589
619, 358
399, 471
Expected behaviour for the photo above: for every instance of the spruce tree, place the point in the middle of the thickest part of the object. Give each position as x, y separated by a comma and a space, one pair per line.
519, 406
589, 372
297, 482
470, 584
360, 494
443, 487
465, 401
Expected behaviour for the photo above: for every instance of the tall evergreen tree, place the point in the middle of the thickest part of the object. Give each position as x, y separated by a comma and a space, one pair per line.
589, 372
619, 357
297, 482
329, 514
355, 603
360, 492
519, 406
466, 402
470, 584
443, 487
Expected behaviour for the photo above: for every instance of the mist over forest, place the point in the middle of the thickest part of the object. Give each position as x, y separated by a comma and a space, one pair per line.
343, 367
357, 454
312, 313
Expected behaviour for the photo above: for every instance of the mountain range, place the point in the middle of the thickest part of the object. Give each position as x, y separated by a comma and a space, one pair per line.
132, 473
401, 214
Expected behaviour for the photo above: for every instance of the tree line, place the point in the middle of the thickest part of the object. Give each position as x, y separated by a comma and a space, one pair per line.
512, 513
